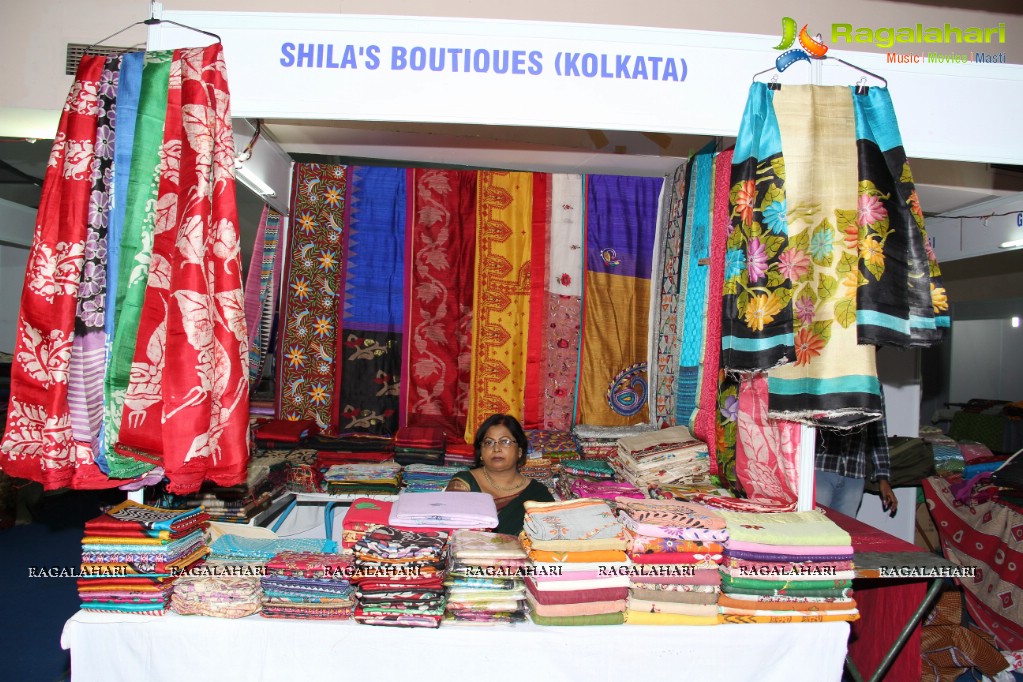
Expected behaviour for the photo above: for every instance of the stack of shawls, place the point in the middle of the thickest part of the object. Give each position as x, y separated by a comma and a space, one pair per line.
363, 515
552, 444
444, 510
219, 591
579, 572
484, 579
676, 548
458, 452
285, 433
541, 469
132, 554
363, 479
237, 549
428, 478
601, 442
572, 470
400, 577
308, 585
419, 445
662, 457
786, 567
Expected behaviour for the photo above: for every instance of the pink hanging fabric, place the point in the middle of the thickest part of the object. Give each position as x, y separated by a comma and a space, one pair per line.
766, 452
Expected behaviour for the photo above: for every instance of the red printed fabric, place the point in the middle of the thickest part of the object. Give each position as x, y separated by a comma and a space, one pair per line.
767, 450
307, 366
187, 403
534, 405
440, 260
39, 443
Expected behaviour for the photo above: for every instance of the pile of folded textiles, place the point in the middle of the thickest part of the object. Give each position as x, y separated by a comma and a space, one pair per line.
542, 469
363, 515
399, 577
350, 449
601, 442
676, 548
555, 445
132, 554
303, 471
419, 445
444, 510
246, 551
458, 452
592, 478
309, 585
579, 569
661, 457
786, 567
218, 590
427, 478
363, 479
687, 492
284, 434
484, 579
948, 457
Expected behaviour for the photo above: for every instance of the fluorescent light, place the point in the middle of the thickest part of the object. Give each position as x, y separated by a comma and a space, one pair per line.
1015, 320
1011, 245
253, 181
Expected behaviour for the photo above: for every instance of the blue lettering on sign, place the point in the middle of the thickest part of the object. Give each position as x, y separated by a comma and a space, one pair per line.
1019, 220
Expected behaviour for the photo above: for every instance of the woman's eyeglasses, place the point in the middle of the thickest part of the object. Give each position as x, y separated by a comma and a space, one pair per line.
490, 443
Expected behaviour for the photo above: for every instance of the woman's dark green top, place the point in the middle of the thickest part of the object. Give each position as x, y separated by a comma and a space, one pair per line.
510, 514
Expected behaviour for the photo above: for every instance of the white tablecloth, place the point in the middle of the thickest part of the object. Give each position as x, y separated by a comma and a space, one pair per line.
107, 647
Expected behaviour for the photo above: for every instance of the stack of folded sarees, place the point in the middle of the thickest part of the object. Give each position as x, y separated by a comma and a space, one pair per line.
485, 579
786, 567
363, 479
579, 571
399, 576
675, 548
553, 445
419, 445
132, 555
427, 478
219, 591
662, 457
601, 442
309, 585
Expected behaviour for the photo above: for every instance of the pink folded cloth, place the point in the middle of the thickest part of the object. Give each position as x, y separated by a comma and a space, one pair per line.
444, 510
705, 576
591, 608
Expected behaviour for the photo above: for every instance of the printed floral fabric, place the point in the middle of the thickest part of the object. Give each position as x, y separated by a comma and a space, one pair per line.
668, 338
39, 442
192, 419
767, 450
309, 339
438, 304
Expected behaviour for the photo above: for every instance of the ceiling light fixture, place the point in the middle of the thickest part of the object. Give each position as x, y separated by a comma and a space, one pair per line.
1011, 245
253, 181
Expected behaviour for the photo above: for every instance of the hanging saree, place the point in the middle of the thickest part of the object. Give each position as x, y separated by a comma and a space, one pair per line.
668, 340
621, 219
702, 422
308, 339
535, 388
369, 347
500, 324
767, 450
88, 352
39, 442
262, 284
136, 251
697, 265
127, 106
440, 252
186, 408
564, 300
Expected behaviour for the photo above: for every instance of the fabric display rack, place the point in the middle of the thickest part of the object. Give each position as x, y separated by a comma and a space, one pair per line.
666, 338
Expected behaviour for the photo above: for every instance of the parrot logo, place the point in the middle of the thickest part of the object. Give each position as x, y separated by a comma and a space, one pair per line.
809, 47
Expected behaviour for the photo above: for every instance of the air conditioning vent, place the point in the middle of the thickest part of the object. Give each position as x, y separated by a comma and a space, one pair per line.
75, 52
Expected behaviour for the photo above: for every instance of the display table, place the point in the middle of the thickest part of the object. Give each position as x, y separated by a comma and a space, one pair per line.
174, 648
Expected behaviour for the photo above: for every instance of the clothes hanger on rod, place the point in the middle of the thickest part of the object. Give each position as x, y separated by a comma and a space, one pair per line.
861, 83
151, 21
815, 52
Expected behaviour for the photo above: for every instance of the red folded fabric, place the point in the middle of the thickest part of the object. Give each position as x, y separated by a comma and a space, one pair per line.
419, 437
330, 457
556, 597
285, 431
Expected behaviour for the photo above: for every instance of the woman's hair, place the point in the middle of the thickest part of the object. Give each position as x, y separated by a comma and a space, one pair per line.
510, 423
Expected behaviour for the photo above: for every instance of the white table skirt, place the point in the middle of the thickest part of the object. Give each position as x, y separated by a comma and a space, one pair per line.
174, 648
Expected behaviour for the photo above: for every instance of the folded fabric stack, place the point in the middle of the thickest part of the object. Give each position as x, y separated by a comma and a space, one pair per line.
363, 479
579, 573
662, 457
676, 548
303, 471
601, 442
543, 469
267, 478
284, 434
458, 452
592, 478
309, 585
687, 492
428, 478
219, 591
786, 567
419, 445
399, 577
363, 515
261, 408
555, 445
350, 449
948, 457
484, 581
235, 549
444, 510
132, 554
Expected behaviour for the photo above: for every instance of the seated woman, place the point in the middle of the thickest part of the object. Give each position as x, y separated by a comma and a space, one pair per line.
501, 447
